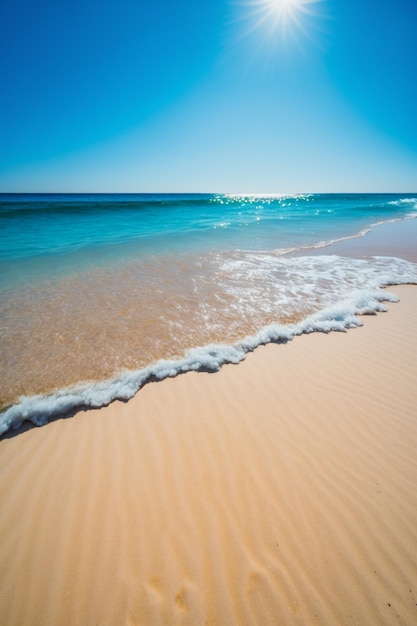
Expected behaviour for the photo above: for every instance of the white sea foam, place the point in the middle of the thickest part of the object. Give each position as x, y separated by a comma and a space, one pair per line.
360, 291
403, 201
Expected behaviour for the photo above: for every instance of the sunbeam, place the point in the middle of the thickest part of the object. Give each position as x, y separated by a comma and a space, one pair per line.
282, 19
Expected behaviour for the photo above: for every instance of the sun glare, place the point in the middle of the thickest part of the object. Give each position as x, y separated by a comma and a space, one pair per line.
280, 8
282, 4
282, 18
285, 8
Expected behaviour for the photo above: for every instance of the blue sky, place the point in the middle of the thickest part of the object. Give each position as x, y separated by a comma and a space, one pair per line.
214, 95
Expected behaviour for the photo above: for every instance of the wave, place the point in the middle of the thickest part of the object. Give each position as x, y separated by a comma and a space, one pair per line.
402, 201
40, 409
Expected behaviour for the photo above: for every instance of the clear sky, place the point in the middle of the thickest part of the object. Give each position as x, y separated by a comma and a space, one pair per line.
208, 95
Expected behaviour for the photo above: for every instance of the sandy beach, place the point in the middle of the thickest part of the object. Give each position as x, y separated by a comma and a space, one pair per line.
278, 491
208, 313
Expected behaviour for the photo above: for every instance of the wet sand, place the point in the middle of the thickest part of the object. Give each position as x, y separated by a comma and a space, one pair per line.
95, 324
389, 239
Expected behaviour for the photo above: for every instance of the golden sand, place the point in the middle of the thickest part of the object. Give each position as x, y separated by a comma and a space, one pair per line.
280, 491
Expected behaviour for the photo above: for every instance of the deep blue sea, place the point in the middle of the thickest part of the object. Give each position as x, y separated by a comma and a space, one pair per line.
101, 292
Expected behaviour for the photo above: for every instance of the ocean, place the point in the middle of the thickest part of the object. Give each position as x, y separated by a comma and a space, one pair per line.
101, 293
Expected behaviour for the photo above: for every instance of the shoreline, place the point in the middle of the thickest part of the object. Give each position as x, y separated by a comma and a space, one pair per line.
393, 238
279, 491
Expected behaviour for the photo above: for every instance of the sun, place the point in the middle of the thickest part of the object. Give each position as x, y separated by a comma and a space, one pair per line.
283, 7
282, 19
283, 4
280, 9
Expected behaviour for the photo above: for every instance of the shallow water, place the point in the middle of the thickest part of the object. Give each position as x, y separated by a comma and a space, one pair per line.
174, 274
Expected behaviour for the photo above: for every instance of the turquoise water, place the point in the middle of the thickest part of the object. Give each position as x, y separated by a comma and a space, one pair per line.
102, 292
33, 225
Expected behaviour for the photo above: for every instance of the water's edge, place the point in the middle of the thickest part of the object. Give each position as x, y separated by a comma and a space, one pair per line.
37, 410
41, 409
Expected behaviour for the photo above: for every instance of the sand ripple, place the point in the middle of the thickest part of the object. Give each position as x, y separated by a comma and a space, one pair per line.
278, 491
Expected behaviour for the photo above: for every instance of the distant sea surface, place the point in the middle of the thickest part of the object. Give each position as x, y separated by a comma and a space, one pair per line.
101, 292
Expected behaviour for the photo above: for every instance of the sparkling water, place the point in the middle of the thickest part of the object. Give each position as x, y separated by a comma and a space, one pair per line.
101, 292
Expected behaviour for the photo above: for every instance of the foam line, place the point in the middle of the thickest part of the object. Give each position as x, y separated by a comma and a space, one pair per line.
41, 409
